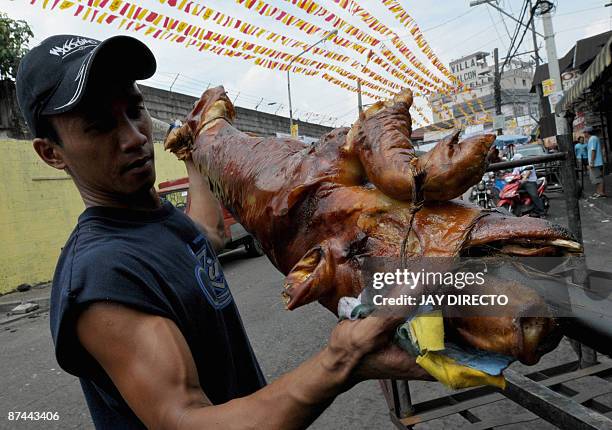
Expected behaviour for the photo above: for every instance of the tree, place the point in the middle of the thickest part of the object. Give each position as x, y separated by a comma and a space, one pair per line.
14, 38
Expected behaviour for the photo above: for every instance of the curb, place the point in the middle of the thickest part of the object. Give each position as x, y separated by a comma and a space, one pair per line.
22, 316
43, 303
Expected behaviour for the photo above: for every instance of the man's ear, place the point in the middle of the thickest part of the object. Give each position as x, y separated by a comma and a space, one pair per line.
49, 152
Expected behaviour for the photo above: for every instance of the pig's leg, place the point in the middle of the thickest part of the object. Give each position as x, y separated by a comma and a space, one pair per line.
452, 167
381, 138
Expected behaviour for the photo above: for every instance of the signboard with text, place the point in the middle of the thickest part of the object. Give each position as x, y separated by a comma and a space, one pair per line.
294, 130
554, 98
548, 87
499, 121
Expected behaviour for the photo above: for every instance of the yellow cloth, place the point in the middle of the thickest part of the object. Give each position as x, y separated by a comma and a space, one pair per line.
456, 376
428, 330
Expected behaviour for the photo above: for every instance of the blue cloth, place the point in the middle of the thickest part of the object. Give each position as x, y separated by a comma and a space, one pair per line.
485, 361
488, 362
581, 151
595, 145
157, 262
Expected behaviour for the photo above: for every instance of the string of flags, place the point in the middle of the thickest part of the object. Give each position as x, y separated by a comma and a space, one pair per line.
339, 69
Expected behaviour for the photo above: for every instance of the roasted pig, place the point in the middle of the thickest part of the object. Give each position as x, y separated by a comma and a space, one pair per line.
319, 210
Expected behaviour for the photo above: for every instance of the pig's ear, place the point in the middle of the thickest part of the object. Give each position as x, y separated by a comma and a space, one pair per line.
310, 278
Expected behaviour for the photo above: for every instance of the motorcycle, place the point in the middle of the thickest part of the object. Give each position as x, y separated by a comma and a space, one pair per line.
516, 200
483, 193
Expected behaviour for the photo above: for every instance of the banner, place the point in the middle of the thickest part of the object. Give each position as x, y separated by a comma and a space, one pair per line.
131, 11
92, 14
404, 18
313, 8
355, 9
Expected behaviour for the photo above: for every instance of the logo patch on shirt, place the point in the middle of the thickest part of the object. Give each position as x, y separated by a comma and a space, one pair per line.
209, 275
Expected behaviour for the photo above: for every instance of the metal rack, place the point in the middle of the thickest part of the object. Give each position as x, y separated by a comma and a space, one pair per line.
545, 394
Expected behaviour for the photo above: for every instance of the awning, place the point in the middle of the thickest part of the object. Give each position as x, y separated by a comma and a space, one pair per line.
595, 70
510, 139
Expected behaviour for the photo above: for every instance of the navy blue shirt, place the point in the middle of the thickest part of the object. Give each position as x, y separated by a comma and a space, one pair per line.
157, 262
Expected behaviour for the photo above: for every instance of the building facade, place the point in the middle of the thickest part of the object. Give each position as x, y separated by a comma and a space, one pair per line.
474, 109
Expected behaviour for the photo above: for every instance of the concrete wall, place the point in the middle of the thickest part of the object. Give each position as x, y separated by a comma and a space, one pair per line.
39, 209
168, 106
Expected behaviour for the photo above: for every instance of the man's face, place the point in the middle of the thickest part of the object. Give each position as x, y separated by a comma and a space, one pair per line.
106, 142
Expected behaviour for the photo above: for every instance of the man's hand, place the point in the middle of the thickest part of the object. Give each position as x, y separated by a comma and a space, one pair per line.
390, 362
369, 342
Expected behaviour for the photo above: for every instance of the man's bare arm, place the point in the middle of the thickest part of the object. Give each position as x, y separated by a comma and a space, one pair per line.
204, 208
150, 363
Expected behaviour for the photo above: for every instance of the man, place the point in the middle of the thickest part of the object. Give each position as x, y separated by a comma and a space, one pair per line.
140, 309
529, 182
595, 159
580, 149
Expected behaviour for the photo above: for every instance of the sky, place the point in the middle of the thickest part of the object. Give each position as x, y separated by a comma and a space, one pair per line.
451, 27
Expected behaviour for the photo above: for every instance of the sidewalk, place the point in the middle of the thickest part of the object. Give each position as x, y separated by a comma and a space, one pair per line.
596, 219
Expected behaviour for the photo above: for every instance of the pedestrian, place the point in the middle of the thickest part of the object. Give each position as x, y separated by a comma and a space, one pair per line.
140, 309
580, 149
596, 164
529, 182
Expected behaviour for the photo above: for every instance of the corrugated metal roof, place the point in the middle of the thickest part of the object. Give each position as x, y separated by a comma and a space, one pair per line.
579, 57
595, 70
587, 49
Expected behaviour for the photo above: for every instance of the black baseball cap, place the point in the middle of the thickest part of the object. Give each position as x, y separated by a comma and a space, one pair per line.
53, 76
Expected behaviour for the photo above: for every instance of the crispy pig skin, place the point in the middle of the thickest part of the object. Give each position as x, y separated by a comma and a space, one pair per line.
318, 210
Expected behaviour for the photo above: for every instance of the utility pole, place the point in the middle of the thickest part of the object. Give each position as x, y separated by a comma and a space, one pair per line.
359, 103
586, 355
535, 39
553, 63
497, 88
293, 130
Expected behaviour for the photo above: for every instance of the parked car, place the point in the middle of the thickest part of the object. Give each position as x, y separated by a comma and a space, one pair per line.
177, 193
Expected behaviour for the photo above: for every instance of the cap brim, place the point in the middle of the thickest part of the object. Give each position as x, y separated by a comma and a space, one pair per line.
119, 58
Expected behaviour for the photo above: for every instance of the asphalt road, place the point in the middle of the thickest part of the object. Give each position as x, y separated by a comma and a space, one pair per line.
31, 380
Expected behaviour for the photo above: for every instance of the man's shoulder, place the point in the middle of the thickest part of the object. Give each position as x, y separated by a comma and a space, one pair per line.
89, 254
88, 241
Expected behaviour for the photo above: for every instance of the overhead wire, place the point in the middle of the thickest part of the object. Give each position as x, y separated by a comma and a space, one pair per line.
525, 29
